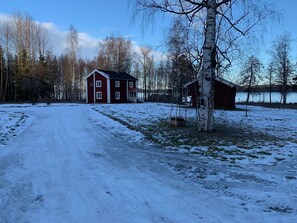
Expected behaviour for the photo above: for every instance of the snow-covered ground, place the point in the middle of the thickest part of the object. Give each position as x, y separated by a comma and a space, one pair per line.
113, 163
265, 136
10, 124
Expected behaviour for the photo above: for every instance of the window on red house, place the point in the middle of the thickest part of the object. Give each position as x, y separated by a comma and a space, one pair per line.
98, 83
117, 95
98, 95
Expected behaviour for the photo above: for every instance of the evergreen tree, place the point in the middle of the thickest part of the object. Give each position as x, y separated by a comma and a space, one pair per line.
2, 75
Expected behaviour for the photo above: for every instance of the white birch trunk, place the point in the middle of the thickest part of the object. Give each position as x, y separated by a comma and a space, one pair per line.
207, 73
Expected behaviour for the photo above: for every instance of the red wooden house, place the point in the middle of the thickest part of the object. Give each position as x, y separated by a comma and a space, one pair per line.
110, 87
224, 93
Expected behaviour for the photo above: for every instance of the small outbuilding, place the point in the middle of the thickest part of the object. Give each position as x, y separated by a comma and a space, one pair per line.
224, 93
105, 86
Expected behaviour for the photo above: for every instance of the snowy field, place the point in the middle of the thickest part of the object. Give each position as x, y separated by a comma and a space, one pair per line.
123, 163
265, 136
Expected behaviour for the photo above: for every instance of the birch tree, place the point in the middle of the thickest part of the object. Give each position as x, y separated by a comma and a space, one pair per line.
270, 72
145, 59
182, 57
115, 53
284, 68
251, 74
72, 76
248, 14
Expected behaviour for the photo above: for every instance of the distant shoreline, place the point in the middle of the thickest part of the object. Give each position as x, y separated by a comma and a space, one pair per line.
270, 105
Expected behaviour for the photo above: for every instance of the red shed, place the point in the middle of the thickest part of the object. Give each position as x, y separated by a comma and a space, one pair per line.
224, 93
105, 86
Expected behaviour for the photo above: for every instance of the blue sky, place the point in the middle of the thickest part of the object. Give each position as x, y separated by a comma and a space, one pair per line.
96, 19
90, 16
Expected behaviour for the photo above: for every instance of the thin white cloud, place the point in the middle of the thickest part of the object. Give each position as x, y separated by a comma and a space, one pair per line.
3, 17
88, 45
158, 56
57, 38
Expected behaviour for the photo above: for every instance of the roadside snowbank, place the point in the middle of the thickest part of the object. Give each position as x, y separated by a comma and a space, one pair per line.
11, 123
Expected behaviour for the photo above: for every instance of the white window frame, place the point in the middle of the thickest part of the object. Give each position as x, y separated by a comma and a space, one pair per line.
99, 83
117, 93
117, 84
131, 84
98, 95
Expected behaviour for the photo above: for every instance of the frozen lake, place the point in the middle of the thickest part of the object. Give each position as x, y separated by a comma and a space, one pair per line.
264, 97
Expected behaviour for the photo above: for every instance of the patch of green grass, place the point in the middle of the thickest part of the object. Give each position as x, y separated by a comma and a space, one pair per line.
264, 152
281, 209
279, 159
245, 142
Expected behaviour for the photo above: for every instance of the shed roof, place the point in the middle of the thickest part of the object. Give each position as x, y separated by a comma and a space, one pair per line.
219, 79
224, 81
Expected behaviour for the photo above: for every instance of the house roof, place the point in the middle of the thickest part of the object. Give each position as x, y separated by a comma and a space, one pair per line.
114, 75
219, 79
188, 84
224, 81
118, 75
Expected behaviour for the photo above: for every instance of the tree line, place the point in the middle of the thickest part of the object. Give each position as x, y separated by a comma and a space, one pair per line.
30, 71
278, 75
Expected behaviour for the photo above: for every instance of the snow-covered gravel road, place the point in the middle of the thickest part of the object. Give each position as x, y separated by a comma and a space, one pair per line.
63, 167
